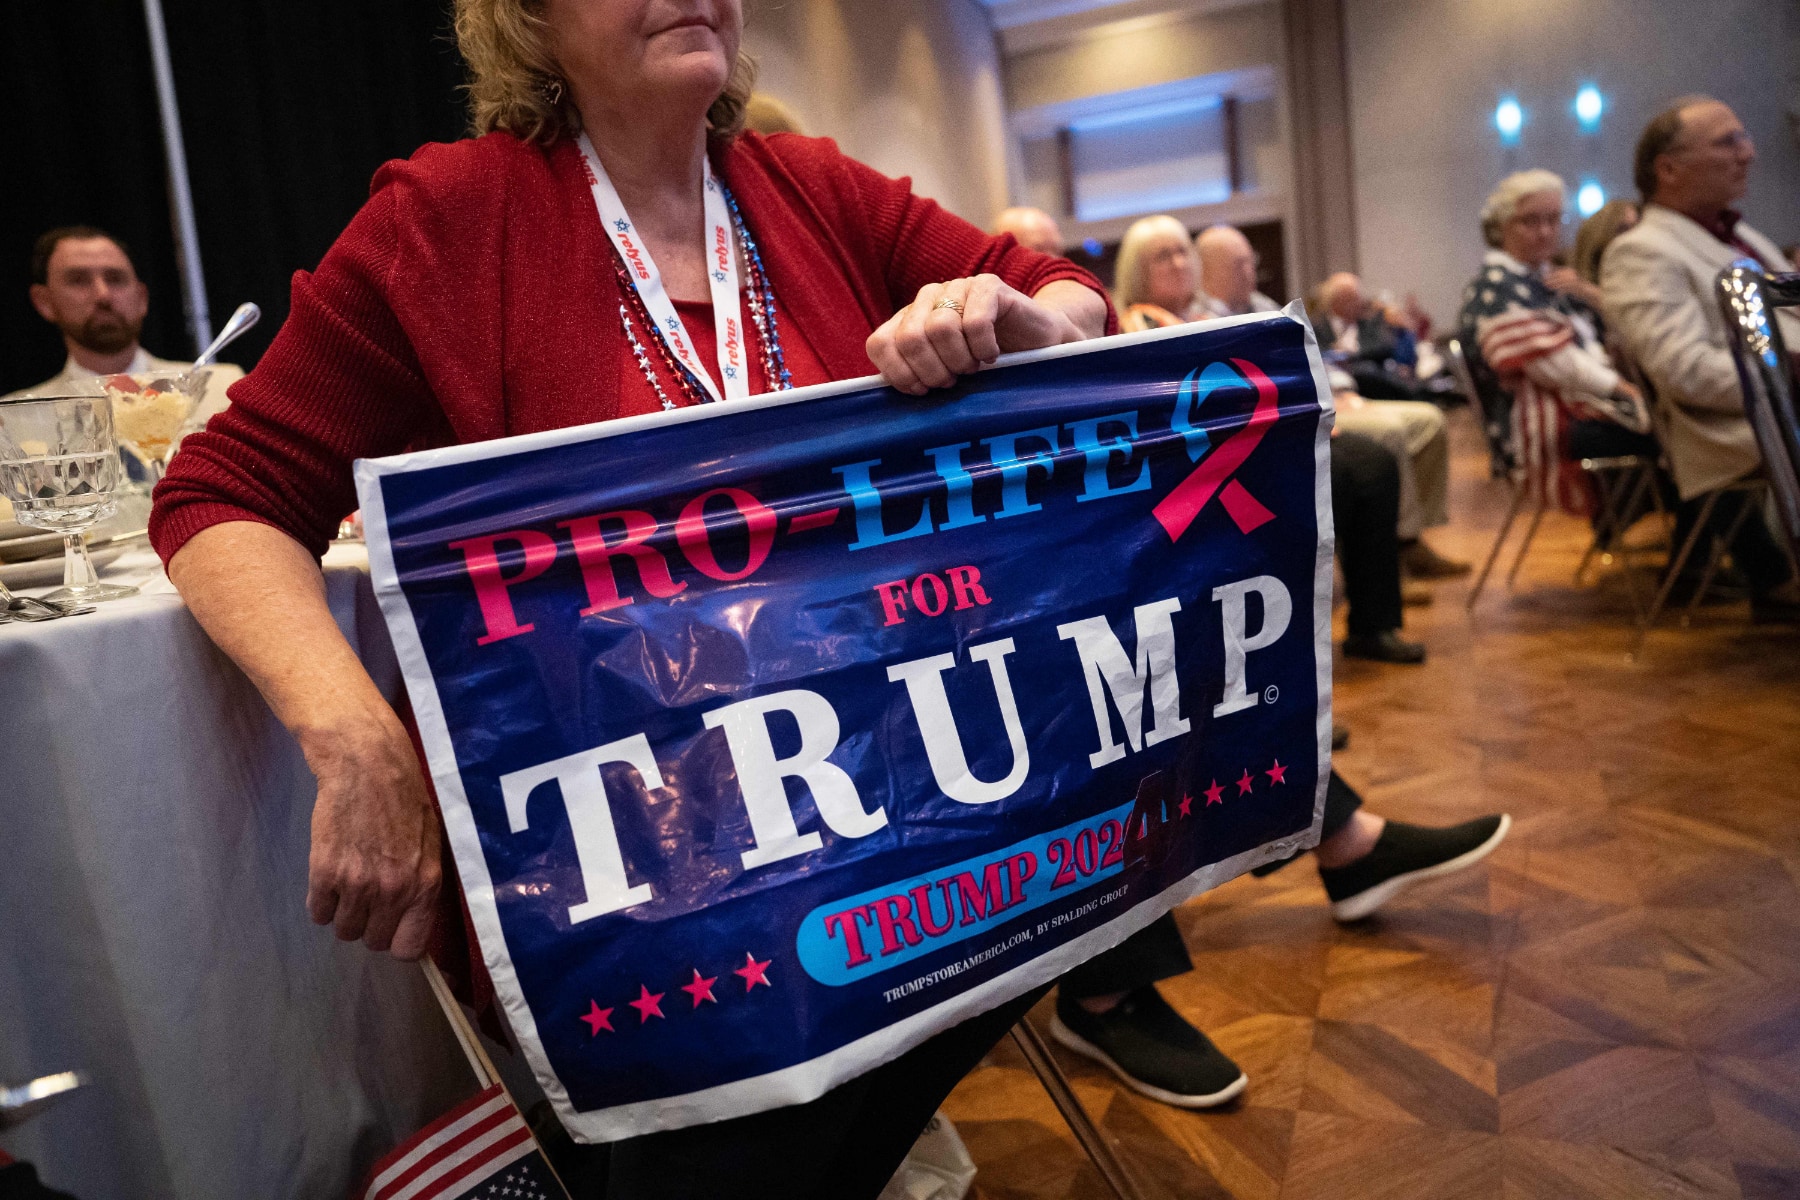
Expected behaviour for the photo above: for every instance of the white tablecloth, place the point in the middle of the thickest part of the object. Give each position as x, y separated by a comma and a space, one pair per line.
153, 844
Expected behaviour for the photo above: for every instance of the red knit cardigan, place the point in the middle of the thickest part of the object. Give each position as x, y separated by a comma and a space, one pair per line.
473, 297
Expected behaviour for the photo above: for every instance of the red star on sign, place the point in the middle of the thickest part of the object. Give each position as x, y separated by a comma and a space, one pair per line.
753, 972
1215, 794
598, 1018
648, 1004
1277, 773
1187, 803
701, 988
1244, 784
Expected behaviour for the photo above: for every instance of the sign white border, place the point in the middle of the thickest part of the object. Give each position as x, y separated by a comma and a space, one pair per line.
808, 1080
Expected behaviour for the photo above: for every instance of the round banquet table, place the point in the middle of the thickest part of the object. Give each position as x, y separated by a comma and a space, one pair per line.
154, 824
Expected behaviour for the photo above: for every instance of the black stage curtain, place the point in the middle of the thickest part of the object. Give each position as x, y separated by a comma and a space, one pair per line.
287, 108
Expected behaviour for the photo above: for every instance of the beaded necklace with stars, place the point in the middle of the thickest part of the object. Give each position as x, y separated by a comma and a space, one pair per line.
760, 299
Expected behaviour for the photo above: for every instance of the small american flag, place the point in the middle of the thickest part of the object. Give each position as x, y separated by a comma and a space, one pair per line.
480, 1150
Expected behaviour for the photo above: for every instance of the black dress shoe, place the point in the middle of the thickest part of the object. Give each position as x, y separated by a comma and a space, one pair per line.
1420, 561
1151, 1049
1773, 610
1387, 646
1405, 854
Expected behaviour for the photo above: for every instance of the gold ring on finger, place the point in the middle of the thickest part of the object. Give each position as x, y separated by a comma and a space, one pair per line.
947, 302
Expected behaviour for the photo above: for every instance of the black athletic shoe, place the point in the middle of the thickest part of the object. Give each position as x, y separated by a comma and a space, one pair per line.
1387, 646
1772, 610
1405, 854
1151, 1049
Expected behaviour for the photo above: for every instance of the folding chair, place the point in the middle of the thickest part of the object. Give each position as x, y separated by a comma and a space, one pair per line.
1765, 374
1620, 480
1031, 1044
1753, 491
1748, 296
1496, 416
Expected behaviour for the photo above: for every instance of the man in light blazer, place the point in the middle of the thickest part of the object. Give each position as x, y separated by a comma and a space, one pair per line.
1692, 163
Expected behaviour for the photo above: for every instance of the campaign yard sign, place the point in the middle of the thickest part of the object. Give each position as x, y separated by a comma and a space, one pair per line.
773, 737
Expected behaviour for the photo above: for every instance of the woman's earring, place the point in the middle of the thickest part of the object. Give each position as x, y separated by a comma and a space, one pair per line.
553, 90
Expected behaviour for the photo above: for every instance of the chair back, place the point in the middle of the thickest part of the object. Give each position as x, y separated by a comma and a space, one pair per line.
1496, 416
1749, 298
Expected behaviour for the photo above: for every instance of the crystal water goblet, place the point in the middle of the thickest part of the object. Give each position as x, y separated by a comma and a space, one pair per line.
60, 467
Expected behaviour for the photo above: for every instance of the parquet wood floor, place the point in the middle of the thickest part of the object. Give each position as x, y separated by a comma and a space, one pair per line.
1609, 1007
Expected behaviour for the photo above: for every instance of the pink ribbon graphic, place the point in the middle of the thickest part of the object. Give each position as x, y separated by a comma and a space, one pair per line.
1179, 508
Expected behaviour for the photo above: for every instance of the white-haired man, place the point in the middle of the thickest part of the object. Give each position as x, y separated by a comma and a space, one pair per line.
1692, 164
1413, 431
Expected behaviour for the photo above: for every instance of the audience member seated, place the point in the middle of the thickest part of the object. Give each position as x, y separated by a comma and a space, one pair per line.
1692, 164
1376, 345
1108, 1009
401, 338
1152, 265
1365, 503
1157, 275
83, 282
1228, 273
1032, 228
1534, 338
1413, 430
1591, 240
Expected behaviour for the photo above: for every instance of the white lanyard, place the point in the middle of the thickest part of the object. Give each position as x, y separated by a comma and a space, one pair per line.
722, 277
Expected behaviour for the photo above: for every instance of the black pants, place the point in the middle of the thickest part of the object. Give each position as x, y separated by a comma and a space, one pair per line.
1607, 439
1365, 502
1157, 951
845, 1145
1754, 549
1376, 382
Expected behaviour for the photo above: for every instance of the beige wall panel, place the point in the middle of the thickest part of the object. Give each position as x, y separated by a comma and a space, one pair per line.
909, 88
1142, 52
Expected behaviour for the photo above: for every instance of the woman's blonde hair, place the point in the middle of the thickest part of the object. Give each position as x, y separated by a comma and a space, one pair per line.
1596, 234
1134, 248
516, 85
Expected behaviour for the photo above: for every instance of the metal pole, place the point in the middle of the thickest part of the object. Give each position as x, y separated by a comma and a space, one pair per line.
1037, 1054
181, 198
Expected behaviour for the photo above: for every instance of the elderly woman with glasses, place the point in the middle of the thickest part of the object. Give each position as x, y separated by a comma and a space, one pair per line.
1536, 345
1157, 280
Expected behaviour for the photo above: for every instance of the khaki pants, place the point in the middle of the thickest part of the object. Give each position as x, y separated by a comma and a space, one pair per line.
1415, 433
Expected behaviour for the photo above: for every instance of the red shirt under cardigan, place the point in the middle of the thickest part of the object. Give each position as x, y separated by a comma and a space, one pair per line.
474, 297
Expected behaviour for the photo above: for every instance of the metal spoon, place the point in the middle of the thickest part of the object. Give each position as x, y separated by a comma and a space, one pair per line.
19, 1104
30, 608
246, 316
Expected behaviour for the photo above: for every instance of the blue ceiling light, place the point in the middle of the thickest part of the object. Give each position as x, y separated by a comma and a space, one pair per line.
1590, 198
1589, 104
1509, 118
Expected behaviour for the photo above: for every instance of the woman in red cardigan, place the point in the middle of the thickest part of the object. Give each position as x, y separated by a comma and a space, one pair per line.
556, 271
